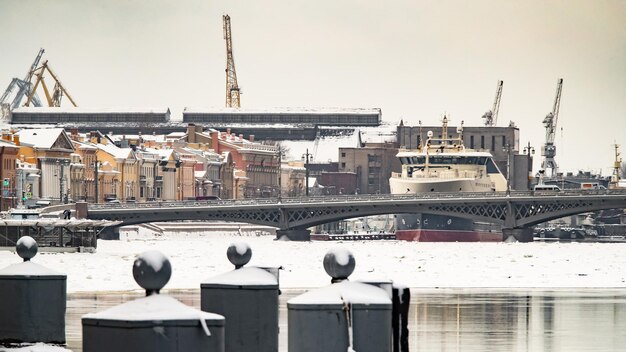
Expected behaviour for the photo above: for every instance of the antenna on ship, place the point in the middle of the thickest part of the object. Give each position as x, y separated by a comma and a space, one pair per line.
444, 130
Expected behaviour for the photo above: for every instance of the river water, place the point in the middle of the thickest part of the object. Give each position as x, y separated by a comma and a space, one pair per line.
457, 319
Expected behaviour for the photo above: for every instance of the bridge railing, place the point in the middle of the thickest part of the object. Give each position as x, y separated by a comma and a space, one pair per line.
353, 198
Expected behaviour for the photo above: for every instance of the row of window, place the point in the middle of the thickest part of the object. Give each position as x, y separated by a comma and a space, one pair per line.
282, 118
55, 118
482, 142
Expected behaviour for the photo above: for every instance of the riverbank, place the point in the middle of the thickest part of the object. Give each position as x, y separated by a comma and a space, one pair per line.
418, 265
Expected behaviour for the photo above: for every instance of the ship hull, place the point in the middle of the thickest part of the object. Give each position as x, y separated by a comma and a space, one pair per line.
440, 228
448, 236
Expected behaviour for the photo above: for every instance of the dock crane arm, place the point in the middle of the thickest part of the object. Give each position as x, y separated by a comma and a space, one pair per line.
550, 122
233, 99
53, 100
491, 116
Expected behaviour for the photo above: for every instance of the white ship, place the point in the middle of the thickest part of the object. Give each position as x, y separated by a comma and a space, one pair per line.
444, 165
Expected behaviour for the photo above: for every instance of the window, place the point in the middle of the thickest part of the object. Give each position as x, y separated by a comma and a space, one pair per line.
343, 165
343, 155
482, 142
503, 141
471, 142
493, 143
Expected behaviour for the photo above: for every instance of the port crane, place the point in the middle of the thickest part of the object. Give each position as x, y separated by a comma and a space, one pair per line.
491, 116
232, 89
59, 90
24, 86
548, 152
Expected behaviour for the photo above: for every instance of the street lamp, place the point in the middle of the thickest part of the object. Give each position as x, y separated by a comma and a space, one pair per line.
507, 148
528, 150
306, 157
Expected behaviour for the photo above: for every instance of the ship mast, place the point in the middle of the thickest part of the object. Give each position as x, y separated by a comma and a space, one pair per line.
617, 164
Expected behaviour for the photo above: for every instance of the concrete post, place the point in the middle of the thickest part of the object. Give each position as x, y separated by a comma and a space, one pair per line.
32, 300
248, 298
156, 322
341, 317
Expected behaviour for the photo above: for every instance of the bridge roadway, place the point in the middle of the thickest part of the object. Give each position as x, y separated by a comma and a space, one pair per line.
516, 211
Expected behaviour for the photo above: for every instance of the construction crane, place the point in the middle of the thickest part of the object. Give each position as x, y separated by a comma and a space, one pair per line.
548, 152
232, 89
58, 90
24, 85
491, 116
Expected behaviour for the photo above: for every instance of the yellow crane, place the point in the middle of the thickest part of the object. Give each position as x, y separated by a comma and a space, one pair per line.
232, 89
58, 91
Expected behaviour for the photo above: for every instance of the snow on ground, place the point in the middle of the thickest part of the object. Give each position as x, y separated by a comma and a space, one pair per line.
418, 265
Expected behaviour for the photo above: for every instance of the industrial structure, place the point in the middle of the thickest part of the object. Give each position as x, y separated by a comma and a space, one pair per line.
24, 88
491, 116
548, 152
58, 91
232, 89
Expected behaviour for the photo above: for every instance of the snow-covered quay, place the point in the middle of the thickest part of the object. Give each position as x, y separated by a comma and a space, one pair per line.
417, 265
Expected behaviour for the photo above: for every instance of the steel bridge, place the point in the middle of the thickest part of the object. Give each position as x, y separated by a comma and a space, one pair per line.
515, 211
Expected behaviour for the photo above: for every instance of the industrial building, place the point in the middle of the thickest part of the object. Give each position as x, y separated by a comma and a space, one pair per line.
58, 115
218, 117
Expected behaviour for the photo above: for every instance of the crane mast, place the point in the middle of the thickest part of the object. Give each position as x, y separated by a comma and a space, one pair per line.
548, 151
25, 86
491, 116
59, 90
232, 89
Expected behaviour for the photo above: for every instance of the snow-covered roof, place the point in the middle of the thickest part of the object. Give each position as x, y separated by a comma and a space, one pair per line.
40, 138
29, 268
346, 291
326, 149
249, 276
162, 153
158, 307
121, 153
282, 110
4, 143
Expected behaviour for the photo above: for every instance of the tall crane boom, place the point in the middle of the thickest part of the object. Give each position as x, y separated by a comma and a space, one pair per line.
232, 89
25, 86
491, 116
548, 151
57, 93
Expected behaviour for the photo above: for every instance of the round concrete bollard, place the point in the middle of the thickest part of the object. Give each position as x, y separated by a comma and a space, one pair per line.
248, 298
156, 322
347, 314
34, 297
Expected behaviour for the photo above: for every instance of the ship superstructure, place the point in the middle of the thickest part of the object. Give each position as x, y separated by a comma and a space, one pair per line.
444, 165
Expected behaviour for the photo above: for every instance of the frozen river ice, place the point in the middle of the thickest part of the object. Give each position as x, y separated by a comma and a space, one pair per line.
414, 264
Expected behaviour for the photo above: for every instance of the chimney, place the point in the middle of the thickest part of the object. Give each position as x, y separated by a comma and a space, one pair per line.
251, 138
16, 140
241, 137
215, 141
228, 131
191, 133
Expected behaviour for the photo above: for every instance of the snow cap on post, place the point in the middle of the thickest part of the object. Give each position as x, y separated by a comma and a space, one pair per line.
239, 254
152, 270
26, 247
339, 264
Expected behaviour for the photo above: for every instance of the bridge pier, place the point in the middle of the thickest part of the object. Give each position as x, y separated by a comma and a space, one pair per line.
110, 233
521, 235
293, 235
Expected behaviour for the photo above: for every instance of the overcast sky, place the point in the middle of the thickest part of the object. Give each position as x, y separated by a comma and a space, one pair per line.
414, 59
